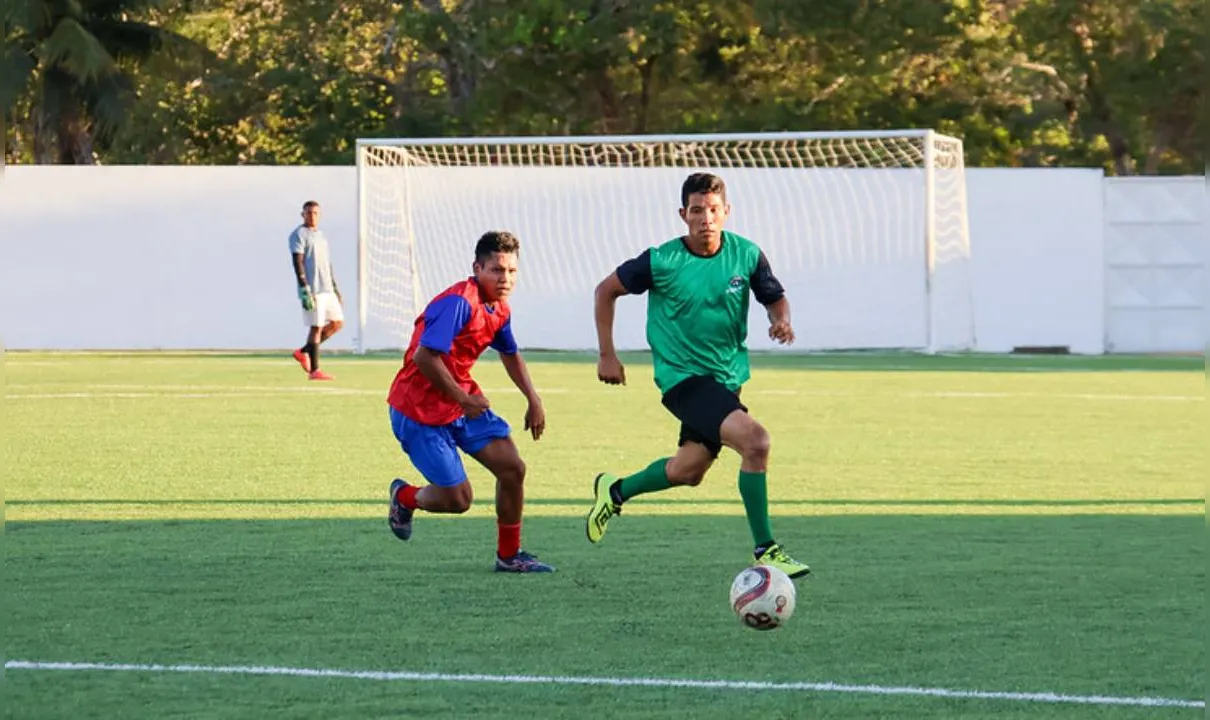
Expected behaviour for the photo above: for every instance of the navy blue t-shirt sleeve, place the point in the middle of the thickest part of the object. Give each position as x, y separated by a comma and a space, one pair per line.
444, 318
635, 274
504, 342
765, 286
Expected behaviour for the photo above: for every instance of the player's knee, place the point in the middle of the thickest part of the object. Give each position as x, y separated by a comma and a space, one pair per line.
679, 473
757, 444
336, 325
684, 475
461, 501
512, 472
457, 499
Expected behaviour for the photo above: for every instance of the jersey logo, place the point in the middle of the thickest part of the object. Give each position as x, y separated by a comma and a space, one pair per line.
737, 284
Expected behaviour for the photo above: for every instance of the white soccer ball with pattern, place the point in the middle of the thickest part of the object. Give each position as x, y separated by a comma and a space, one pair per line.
763, 597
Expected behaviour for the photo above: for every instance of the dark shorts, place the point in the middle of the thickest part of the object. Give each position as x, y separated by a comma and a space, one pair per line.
701, 403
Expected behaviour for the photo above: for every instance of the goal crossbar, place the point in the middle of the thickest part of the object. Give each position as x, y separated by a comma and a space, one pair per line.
654, 139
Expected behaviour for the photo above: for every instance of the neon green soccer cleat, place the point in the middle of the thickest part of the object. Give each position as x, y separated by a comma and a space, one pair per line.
603, 508
774, 556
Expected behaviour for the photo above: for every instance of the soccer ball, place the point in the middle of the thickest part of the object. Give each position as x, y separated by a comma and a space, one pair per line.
763, 597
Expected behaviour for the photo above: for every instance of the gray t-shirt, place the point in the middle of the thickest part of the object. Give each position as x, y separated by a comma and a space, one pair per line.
316, 259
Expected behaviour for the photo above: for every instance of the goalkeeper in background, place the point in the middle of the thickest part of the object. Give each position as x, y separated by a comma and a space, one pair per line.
697, 327
321, 301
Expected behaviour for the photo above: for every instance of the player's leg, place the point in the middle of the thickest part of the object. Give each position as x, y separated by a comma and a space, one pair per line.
487, 439
330, 329
687, 467
312, 350
696, 453
742, 433
327, 312
305, 355
434, 453
334, 316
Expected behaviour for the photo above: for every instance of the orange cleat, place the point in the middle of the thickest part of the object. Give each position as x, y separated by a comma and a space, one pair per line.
303, 359
319, 375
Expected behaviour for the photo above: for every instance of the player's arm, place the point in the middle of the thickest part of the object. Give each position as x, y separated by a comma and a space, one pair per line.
505, 344
300, 268
631, 277
431, 364
770, 293
443, 320
299, 261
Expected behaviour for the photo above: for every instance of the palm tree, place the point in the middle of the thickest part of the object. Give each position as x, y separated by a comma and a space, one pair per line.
67, 64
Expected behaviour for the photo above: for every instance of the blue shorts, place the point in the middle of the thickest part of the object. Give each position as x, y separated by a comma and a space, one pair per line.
433, 449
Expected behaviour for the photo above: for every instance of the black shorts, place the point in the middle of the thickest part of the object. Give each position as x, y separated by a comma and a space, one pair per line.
701, 403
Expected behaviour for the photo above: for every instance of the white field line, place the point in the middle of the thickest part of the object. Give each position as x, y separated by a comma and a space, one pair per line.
973, 368
69, 359
650, 682
310, 387
986, 395
221, 391
209, 391
76, 361
171, 395
1065, 396
991, 395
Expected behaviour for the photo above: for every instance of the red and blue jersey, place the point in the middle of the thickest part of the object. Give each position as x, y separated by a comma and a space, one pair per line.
460, 326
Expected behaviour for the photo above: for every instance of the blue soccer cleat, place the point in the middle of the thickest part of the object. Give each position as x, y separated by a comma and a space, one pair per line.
400, 518
522, 562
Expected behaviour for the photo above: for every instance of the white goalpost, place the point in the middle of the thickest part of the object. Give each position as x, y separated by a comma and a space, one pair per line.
866, 230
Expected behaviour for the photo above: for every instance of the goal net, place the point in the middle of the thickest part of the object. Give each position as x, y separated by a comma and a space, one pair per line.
866, 230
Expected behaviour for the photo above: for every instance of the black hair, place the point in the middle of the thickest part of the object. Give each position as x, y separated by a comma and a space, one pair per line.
703, 183
496, 241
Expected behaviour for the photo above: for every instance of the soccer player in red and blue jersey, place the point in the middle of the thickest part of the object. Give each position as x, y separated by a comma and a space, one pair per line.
437, 408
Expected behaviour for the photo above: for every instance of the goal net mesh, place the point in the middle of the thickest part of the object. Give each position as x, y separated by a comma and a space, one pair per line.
867, 233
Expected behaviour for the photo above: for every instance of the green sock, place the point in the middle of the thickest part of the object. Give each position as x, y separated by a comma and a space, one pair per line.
754, 490
650, 479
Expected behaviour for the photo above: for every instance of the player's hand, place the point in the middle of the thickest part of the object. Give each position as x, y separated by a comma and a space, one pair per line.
782, 332
474, 405
535, 419
306, 298
610, 370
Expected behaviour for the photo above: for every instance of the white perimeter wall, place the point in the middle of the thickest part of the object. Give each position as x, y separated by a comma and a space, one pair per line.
163, 257
1155, 264
196, 258
1036, 247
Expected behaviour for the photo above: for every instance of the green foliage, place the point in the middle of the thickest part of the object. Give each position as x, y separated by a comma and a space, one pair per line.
1109, 83
67, 75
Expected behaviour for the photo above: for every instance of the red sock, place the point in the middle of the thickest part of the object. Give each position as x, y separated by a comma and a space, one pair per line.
406, 496
508, 540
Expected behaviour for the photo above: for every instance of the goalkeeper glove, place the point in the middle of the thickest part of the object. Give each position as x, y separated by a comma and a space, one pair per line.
307, 299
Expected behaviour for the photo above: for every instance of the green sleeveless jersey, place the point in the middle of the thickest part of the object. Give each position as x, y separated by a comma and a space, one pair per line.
697, 307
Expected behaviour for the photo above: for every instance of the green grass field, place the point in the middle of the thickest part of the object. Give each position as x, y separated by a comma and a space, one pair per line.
989, 536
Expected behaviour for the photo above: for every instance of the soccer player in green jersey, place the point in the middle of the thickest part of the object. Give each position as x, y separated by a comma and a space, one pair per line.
697, 327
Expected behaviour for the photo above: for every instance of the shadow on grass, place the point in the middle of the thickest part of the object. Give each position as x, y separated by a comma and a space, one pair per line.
1095, 604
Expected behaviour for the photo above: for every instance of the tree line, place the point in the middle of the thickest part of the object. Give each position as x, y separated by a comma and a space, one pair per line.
1117, 84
